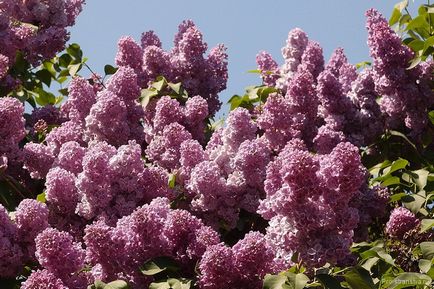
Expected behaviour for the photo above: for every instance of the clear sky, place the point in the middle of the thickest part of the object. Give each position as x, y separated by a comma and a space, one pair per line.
245, 27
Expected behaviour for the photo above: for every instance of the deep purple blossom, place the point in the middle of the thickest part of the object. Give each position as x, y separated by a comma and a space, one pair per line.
400, 222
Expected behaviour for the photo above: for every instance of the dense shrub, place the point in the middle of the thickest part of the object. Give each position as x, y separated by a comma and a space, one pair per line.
321, 176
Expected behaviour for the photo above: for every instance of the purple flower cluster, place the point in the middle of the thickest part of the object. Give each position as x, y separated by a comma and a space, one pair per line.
31, 218
150, 231
291, 116
167, 124
321, 106
37, 28
228, 175
400, 222
406, 93
185, 62
125, 183
372, 204
308, 202
12, 131
11, 254
242, 266
43, 279
327, 105
115, 116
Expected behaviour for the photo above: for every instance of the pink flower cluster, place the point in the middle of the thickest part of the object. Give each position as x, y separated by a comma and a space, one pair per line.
17, 237
167, 124
125, 183
12, 132
152, 230
37, 28
185, 62
242, 266
327, 105
400, 222
308, 202
228, 175
407, 94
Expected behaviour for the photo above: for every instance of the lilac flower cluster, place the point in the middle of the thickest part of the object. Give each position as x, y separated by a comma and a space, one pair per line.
242, 266
323, 106
185, 62
308, 202
18, 233
12, 132
228, 175
150, 231
400, 222
11, 254
37, 28
115, 116
294, 161
167, 124
343, 103
407, 95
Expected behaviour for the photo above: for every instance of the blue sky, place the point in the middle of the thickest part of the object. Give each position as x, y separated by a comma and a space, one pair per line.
245, 27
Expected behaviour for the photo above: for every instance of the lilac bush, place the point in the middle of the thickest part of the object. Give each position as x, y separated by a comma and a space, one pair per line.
130, 179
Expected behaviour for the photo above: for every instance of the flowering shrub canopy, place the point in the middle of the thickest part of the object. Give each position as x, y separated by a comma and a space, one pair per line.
321, 176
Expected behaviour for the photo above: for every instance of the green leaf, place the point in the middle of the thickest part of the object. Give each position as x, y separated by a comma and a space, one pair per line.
368, 264
160, 84
297, 281
235, 101
414, 63
75, 51
255, 71
179, 284
147, 95
49, 66
396, 197
118, 284
407, 279
425, 265
416, 45
329, 282
401, 5
42, 97
375, 170
64, 91
264, 92
159, 285
65, 60
380, 253
98, 284
363, 64
176, 87
74, 68
422, 178
396, 14
398, 165
41, 197
431, 116
426, 224
418, 23
397, 133
391, 181
413, 202
44, 76
274, 281
427, 249
158, 265
172, 181
109, 70
359, 278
